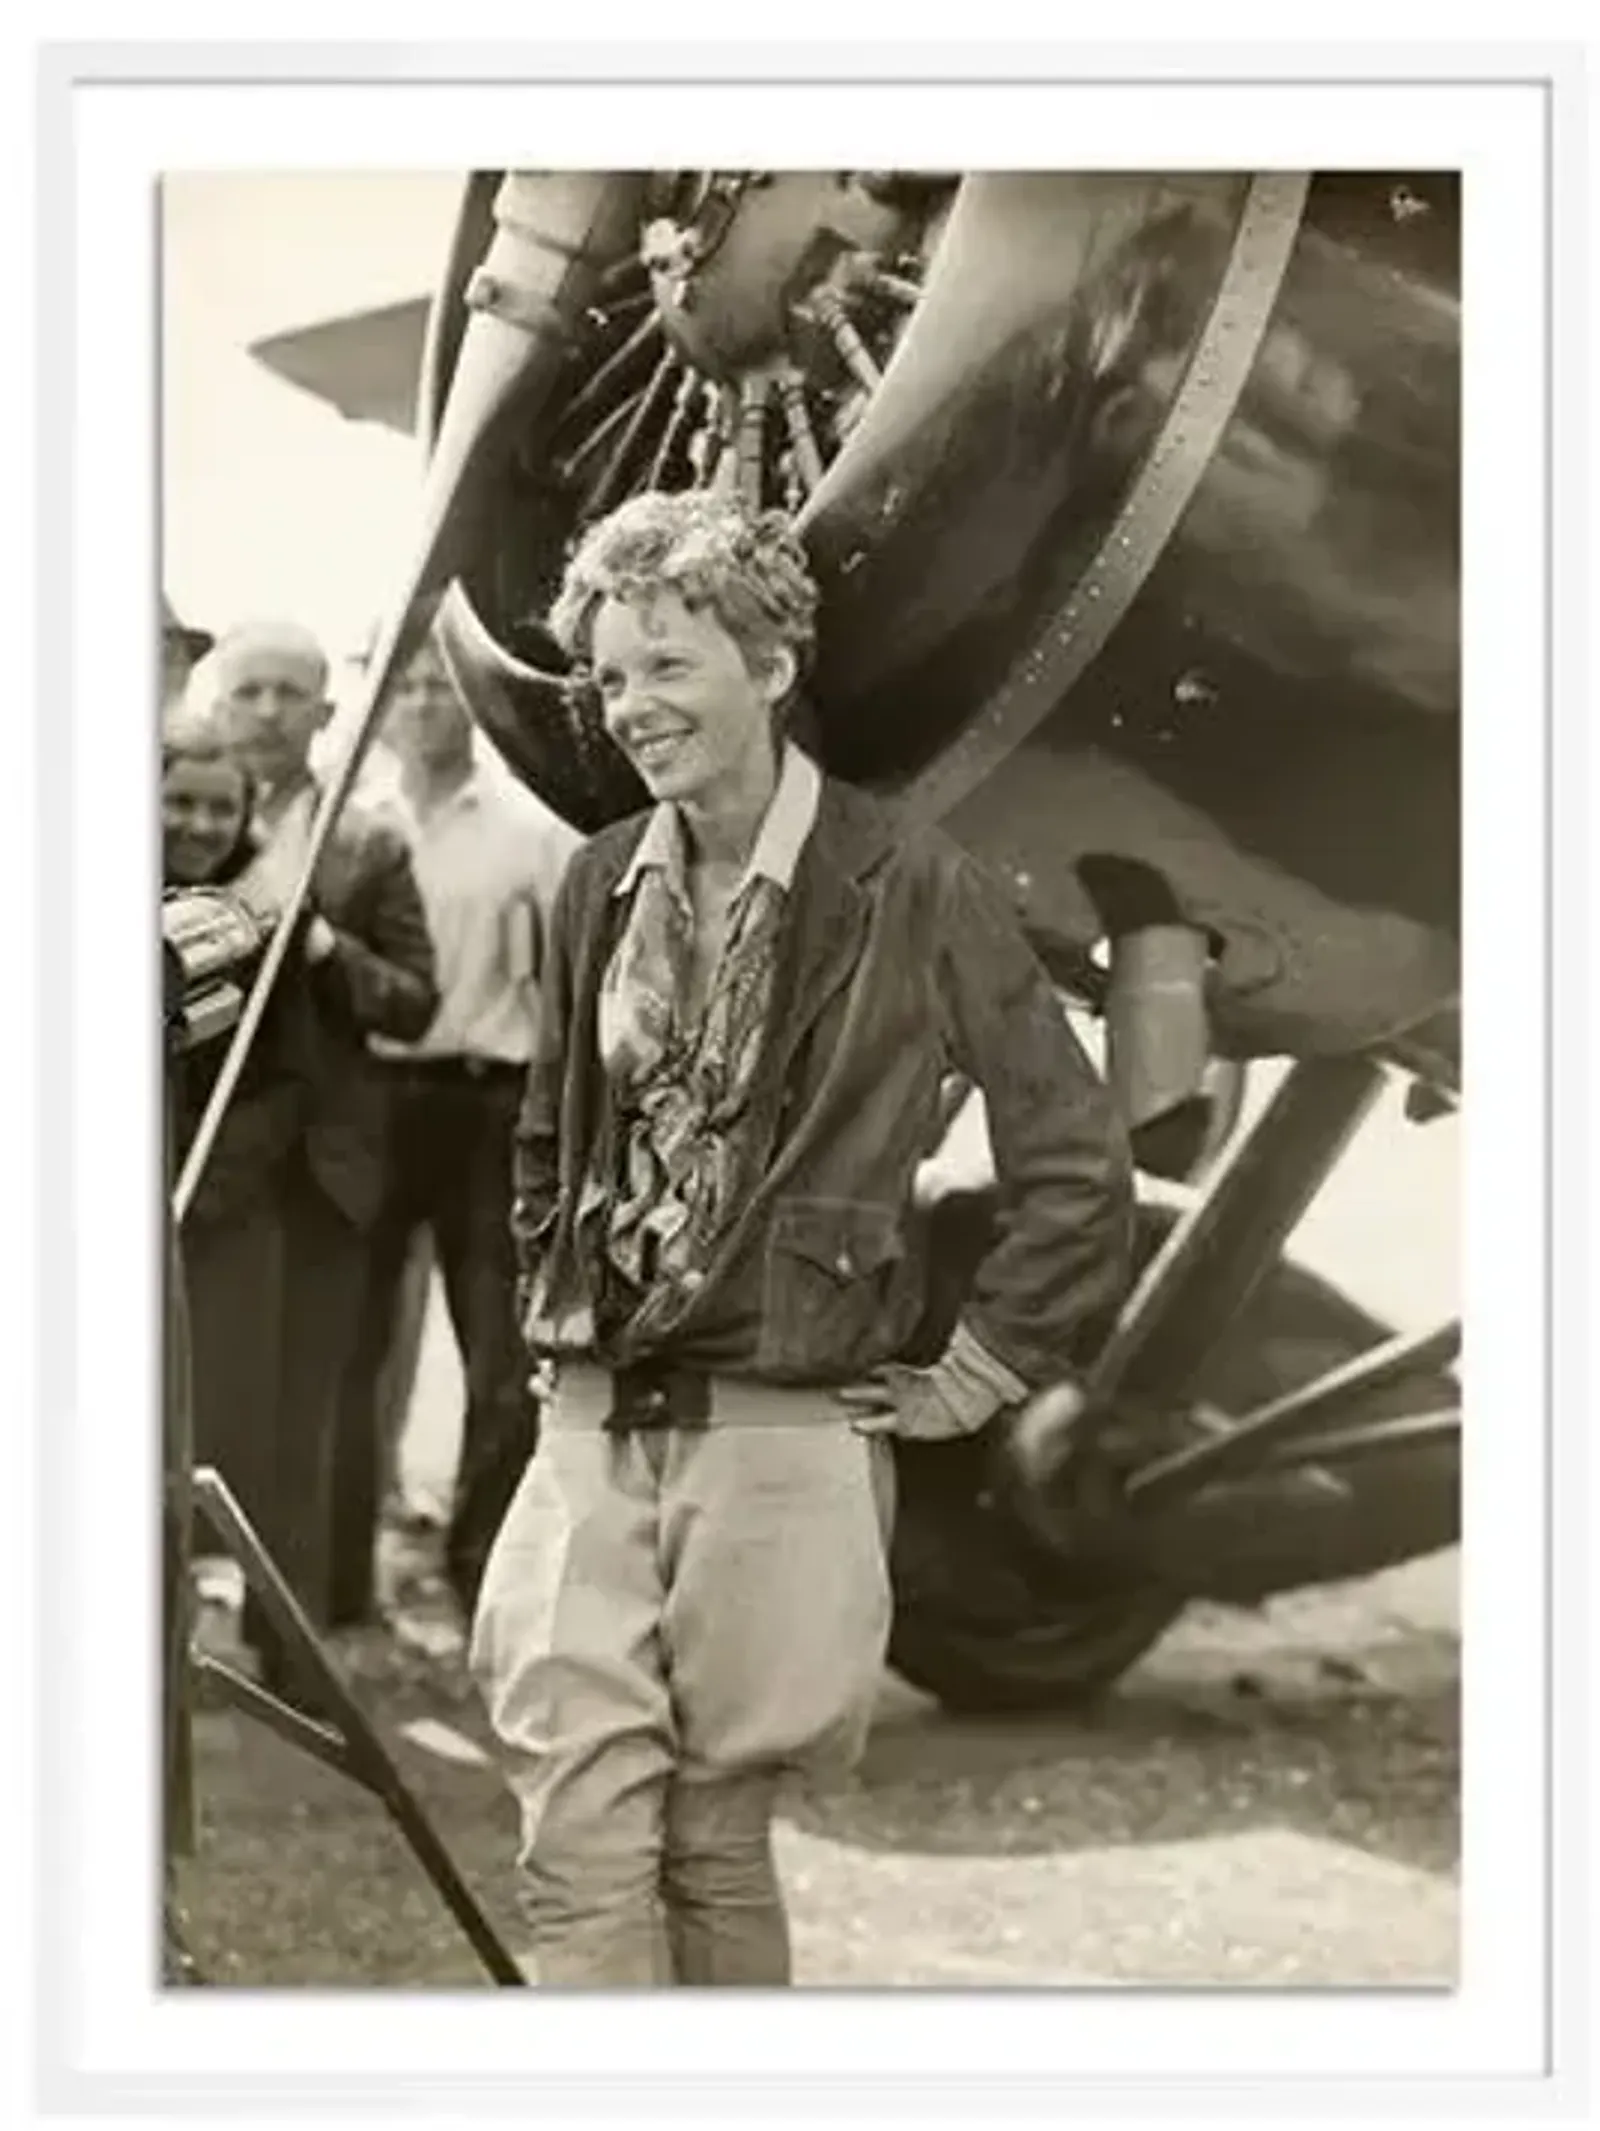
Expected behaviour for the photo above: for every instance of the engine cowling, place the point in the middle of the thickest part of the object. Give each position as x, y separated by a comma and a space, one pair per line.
973, 393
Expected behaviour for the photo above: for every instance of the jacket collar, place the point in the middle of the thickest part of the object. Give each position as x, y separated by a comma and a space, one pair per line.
775, 856
850, 837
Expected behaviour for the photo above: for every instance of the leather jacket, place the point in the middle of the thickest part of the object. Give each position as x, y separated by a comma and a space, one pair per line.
900, 962
377, 980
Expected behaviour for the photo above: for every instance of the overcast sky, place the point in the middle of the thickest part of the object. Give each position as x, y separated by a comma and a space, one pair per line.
272, 502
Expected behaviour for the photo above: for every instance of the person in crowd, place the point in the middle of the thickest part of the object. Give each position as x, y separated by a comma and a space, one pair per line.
488, 857
365, 958
182, 649
207, 809
755, 992
399, 1385
233, 1235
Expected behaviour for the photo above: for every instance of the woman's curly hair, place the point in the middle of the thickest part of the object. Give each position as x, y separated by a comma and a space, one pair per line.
747, 569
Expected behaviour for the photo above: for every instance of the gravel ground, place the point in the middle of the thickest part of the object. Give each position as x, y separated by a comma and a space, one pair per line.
1270, 1800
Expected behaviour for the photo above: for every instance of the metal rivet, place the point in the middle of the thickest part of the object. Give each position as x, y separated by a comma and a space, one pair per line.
1194, 690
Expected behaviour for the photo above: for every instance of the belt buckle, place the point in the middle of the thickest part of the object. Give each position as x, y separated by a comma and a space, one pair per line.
643, 1400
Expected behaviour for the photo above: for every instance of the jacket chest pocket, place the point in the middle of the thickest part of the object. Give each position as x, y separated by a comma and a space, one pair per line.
829, 1286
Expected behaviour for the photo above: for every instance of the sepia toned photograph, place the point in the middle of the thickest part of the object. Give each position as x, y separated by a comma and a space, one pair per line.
811, 837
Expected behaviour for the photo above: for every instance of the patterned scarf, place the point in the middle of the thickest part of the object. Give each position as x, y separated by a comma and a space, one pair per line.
686, 1158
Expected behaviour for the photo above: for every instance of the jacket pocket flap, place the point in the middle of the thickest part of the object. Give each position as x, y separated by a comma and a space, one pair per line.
845, 1237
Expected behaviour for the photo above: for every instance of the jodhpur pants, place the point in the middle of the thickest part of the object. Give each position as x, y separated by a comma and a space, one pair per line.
669, 1623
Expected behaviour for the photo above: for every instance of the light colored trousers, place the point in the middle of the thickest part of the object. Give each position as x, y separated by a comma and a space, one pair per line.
670, 1622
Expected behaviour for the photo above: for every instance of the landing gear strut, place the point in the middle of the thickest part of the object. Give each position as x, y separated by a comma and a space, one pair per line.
1245, 1430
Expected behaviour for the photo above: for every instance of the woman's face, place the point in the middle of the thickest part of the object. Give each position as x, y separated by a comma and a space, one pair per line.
681, 700
202, 817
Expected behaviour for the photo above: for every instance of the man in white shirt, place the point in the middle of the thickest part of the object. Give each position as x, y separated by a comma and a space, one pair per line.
488, 857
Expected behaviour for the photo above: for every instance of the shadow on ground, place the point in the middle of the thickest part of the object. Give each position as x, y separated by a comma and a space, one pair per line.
302, 1880
1380, 1774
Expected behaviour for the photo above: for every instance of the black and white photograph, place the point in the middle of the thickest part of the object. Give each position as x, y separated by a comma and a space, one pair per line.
1020, 612
808, 1214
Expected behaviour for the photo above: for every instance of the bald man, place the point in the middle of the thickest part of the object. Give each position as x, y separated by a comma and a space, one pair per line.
366, 961
367, 924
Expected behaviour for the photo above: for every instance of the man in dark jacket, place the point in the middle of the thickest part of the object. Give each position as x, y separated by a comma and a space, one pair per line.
365, 963
755, 993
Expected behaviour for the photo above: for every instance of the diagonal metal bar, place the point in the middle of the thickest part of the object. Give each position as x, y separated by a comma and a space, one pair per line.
615, 365
368, 1761
568, 468
1337, 1446
319, 1740
609, 485
1212, 1262
1227, 1242
1285, 1424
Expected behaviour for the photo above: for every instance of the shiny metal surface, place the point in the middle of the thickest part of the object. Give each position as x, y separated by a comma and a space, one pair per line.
1271, 724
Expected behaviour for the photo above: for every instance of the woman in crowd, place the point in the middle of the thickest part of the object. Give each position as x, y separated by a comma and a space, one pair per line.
233, 1238
311, 1108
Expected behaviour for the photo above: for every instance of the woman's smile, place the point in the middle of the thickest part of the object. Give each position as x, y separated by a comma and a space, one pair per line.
656, 750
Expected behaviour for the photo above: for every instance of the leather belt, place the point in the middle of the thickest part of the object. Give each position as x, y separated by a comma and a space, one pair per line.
656, 1395
643, 1397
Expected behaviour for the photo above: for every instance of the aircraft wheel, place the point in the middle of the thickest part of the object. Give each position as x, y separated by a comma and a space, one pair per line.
988, 1620
986, 1623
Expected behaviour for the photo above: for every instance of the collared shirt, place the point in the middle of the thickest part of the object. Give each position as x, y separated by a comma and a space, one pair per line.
782, 836
636, 1014
488, 860
688, 1146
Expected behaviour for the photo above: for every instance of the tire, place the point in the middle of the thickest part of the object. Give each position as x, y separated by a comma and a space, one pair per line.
984, 1621
990, 1623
